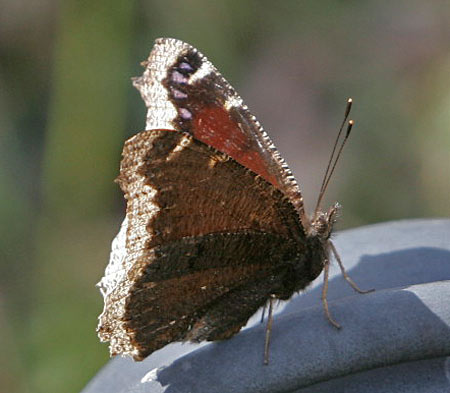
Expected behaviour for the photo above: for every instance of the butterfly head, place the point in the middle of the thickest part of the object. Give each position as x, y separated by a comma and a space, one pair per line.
322, 223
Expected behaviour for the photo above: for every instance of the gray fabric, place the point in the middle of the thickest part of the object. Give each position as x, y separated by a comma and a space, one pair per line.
396, 339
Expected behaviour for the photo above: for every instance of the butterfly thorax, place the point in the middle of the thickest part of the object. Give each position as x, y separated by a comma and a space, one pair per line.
317, 245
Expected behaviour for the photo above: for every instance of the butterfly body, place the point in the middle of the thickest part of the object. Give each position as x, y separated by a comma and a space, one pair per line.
215, 224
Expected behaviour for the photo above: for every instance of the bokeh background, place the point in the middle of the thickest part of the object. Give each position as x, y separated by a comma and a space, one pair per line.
67, 105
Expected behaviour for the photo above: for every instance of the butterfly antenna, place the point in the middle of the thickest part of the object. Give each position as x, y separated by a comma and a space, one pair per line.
333, 161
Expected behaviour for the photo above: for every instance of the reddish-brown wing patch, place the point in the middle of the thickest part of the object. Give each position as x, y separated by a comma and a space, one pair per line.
214, 126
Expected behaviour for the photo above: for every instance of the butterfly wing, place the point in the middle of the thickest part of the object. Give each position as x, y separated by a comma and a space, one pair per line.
200, 232
184, 91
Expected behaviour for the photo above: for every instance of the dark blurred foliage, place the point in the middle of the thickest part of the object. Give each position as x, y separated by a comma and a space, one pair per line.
67, 105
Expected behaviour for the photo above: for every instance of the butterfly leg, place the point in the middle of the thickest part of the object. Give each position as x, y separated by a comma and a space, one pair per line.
344, 272
324, 294
268, 330
263, 313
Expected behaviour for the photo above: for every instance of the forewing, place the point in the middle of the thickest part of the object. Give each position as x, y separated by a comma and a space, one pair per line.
184, 91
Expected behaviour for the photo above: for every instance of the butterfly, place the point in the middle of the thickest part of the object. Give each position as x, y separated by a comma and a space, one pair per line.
215, 225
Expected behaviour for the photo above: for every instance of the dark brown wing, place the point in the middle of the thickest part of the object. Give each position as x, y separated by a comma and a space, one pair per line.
200, 231
204, 287
199, 190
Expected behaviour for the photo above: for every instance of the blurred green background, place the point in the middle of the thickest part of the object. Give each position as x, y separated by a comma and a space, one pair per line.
67, 105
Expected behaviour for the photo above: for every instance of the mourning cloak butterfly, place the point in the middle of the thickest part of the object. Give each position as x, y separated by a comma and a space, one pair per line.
215, 226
